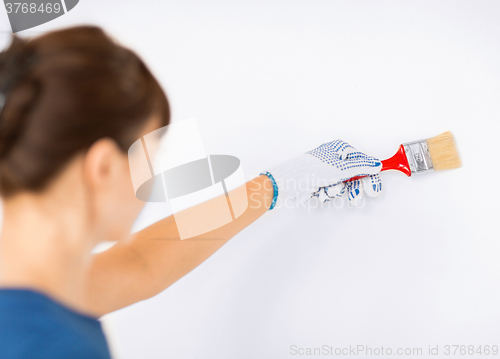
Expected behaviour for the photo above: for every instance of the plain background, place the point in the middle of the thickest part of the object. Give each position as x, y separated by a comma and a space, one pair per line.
267, 80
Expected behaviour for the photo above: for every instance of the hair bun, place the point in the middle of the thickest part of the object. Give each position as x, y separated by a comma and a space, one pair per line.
15, 62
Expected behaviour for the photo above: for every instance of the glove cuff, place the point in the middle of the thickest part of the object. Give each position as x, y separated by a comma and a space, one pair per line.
275, 188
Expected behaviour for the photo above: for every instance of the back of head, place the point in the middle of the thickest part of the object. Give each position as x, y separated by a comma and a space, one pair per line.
62, 91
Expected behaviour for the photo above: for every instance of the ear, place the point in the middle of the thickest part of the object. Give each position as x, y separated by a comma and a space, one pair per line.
102, 164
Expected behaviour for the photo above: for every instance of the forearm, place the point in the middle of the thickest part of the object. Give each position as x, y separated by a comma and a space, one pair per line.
154, 258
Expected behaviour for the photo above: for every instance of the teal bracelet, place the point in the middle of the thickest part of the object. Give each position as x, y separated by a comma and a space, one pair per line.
275, 189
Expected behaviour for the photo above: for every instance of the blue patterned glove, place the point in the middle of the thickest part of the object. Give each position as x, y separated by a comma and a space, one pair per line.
322, 171
353, 190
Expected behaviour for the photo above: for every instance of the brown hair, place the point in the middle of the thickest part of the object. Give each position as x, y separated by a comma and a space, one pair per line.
61, 92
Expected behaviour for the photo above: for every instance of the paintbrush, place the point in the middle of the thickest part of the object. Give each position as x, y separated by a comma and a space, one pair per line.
433, 154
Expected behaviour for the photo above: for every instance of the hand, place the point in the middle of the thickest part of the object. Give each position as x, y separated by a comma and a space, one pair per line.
372, 185
322, 171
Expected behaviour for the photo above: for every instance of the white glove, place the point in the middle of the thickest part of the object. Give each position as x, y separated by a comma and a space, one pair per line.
321, 173
371, 184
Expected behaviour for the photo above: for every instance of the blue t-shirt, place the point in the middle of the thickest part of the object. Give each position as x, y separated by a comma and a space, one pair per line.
35, 326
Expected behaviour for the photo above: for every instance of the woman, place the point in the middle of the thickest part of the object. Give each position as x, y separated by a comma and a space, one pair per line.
72, 102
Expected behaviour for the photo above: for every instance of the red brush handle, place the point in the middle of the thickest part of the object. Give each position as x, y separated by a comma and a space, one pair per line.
398, 162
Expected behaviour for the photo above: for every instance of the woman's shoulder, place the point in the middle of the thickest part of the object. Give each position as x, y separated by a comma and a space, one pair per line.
32, 324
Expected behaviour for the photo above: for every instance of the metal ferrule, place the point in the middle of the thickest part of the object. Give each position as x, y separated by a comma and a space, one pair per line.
418, 156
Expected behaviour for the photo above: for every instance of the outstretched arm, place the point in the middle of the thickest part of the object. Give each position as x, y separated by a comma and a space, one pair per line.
154, 258
145, 265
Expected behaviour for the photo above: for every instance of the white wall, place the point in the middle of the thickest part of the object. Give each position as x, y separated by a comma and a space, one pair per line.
267, 80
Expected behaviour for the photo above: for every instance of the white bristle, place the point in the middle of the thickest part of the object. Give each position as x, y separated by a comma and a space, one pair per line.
443, 151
